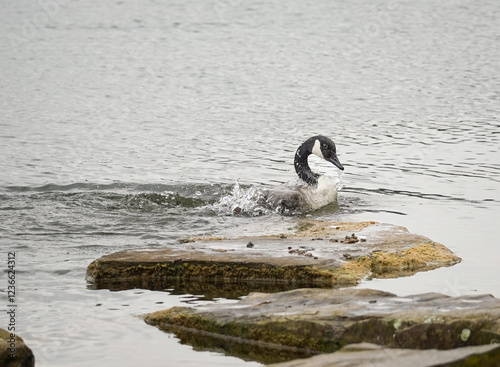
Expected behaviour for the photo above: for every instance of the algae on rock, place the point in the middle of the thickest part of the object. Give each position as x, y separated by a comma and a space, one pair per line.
324, 320
312, 256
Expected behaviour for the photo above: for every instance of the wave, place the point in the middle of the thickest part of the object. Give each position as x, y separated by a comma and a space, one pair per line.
84, 186
216, 199
116, 196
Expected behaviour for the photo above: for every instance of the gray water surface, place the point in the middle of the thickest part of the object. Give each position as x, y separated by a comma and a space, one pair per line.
123, 124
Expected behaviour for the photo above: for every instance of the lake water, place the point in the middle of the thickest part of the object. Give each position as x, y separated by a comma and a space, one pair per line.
123, 123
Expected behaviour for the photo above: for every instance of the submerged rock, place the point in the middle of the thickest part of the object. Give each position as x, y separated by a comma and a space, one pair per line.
315, 254
13, 351
303, 322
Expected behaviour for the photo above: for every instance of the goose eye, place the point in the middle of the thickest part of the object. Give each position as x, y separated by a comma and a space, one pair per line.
324, 145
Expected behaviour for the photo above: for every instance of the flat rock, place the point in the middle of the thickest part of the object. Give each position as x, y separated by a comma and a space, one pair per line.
283, 326
314, 254
371, 355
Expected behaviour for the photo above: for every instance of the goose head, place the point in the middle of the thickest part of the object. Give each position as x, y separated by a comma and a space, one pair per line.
321, 146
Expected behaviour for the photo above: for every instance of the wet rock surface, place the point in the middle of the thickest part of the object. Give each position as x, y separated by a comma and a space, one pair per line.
303, 322
299, 323
13, 351
313, 254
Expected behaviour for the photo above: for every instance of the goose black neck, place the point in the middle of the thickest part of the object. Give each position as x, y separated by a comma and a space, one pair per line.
302, 167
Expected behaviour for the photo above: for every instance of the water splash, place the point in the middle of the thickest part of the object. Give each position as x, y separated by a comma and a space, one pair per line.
288, 199
250, 201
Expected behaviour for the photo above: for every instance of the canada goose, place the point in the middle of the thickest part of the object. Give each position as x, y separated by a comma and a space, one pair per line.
317, 192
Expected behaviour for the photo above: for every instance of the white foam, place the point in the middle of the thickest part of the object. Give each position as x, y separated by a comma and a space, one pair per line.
242, 200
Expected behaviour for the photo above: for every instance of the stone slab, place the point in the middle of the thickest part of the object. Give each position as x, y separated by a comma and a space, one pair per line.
314, 253
302, 322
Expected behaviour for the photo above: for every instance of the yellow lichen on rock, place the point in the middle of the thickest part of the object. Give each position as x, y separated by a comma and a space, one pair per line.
425, 256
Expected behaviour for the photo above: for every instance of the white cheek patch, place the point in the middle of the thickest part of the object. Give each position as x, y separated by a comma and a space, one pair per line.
317, 149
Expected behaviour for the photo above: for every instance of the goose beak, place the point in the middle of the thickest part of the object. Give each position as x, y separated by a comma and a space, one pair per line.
333, 159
